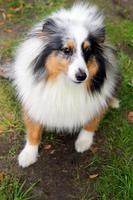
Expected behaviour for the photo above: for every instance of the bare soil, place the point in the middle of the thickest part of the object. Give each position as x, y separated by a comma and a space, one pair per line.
123, 8
60, 173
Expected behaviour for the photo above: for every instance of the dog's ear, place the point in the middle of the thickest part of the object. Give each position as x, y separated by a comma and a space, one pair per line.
53, 43
101, 35
98, 35
49, 26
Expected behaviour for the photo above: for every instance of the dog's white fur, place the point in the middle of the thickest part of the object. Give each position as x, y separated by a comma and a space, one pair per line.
84, 141
28, 155
62, 104
44, 101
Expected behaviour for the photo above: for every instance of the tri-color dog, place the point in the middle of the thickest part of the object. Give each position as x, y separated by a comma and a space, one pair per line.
66, 76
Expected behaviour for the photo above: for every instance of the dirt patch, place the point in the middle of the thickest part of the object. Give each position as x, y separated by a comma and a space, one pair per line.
61, 173
123, 8
12, 32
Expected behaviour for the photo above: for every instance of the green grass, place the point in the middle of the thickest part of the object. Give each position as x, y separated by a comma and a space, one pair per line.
12, 189
120, 31
10, 118
7, 48
115, 179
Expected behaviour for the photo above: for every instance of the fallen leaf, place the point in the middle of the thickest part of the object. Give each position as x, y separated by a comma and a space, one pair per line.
17, 9
8, 30
130, 116
52, 152
2, 128
10, 15
2, 174
47, 146
9, 115
64, 170
1, 23
93, 176
2, 10
94, 149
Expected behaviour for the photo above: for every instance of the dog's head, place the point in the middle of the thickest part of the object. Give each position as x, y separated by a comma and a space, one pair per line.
73, 46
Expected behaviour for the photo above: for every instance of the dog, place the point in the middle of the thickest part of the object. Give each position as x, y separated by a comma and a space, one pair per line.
66, 76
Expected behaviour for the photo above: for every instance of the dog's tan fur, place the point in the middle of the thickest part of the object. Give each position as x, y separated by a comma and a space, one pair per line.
93, 124
55, 65
34, 130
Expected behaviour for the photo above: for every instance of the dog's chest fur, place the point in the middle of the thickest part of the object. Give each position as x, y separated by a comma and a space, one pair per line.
63, 104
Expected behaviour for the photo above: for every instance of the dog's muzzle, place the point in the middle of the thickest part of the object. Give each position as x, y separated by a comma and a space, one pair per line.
80, 75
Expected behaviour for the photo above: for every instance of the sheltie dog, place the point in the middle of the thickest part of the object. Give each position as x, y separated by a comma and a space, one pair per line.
66, 75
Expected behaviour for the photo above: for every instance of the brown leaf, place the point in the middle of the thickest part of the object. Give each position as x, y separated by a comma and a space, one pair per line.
94, 149
47, 146
2, 174
10, 15
8, 30
1, 23
9, 115
1, 128
17, 9
92, 176
130, 116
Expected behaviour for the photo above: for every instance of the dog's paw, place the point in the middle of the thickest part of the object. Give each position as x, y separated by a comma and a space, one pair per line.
28, 155
115, 103
84, 141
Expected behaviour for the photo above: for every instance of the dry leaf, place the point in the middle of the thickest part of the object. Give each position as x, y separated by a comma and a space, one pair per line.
8, 30
10, 15
9, 115
93, 176
17, 9
2, 174
94, 149
1, 23
130, 116
2, 128
2, 10
47, 146
52, 152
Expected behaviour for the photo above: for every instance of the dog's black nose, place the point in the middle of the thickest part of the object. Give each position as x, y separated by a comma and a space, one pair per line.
80, 75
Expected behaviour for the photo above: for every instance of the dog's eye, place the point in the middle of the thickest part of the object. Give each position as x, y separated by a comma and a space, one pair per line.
67, 51
87, 50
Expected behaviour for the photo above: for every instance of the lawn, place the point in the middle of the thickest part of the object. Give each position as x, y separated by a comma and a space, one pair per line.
103, 173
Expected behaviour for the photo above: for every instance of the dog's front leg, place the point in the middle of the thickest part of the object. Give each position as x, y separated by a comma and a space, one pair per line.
85, 137
29, 154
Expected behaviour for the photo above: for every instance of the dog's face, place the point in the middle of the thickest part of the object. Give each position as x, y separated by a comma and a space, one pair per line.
69, 60
73, 51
